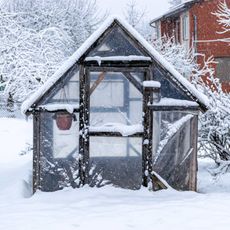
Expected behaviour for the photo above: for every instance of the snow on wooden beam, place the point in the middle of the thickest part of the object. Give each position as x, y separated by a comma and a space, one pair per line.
129, 58
151, 84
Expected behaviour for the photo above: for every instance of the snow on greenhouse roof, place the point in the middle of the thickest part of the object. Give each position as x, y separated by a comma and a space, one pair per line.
34, 98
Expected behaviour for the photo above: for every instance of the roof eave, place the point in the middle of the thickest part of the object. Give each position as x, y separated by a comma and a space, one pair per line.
185, 6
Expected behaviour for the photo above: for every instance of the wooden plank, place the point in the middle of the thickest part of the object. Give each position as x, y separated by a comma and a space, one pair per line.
113, 134
147, 135
36, 151
104, 63
54, 111
116, 68
86, 124
135, 83
194, 163
174, 108
82, 125
100, 78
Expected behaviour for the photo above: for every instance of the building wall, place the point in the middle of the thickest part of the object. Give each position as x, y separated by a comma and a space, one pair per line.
208, 33
205, 23
169, 28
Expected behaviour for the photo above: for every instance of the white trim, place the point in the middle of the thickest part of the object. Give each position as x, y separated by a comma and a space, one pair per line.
185, 28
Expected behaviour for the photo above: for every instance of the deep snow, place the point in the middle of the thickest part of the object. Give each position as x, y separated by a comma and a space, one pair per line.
107, 208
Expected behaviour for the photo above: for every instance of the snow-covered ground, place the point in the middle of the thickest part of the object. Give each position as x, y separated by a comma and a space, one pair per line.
107, 208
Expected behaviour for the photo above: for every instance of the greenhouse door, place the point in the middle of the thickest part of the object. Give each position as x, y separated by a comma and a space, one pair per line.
115, 128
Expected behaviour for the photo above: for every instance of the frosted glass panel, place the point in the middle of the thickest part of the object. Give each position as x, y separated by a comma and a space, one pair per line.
116, 43
116, 161
114, 99
69, 93
58, 154
173, 149
65, 142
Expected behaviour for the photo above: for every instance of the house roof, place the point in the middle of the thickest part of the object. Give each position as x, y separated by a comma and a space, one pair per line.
33, 100
175, 10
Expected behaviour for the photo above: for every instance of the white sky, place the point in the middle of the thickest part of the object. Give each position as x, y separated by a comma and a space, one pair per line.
153, 8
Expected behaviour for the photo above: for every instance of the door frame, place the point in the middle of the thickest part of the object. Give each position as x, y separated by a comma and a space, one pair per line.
84, 119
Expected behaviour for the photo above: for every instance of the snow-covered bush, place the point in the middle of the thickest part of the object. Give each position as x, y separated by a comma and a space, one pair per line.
37, 36
223, 16
28, 57
214, 125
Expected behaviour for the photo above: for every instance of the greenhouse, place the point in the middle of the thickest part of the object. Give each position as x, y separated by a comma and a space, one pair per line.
116, 113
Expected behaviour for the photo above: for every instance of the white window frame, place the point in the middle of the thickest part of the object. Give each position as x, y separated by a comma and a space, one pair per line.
185, 30
158, 29
185, 27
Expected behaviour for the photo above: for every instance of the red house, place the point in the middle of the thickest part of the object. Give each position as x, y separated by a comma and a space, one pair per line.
193, 24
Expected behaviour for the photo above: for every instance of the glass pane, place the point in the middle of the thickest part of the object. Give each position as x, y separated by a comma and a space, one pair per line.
169, 90
114, 100
116, 43
59, 153
66, 142
68, 94
173, 149
116, 161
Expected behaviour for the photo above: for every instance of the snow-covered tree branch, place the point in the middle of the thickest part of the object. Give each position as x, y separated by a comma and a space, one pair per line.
37, 36
223, 15
214, 127
135, 16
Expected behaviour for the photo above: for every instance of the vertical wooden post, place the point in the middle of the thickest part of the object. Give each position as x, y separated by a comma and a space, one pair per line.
84, 125
36, 151
87, 123
194, 163
147, 135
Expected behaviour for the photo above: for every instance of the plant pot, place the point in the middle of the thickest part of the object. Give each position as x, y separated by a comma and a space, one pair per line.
64, 120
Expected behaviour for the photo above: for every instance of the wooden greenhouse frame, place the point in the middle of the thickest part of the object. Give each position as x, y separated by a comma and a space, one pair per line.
153, 70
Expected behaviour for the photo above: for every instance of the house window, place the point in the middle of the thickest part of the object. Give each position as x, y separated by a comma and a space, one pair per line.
222, 69
158, 30
185, 24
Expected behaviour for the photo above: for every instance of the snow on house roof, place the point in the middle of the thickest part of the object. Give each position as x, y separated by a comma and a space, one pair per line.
174, 10
34, 98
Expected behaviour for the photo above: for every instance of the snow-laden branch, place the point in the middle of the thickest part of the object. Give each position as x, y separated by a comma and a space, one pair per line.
214, 127
223, 15
37, 36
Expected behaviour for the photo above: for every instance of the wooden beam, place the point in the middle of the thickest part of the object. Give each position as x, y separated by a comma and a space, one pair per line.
135, 83
147, 135
36, 151
174, 108
113, 134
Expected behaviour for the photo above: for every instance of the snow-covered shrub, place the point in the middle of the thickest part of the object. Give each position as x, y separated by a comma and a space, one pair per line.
214, 125
28, 58
223, 16
37, 36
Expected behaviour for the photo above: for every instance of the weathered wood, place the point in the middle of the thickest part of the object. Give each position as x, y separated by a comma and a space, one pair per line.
97, 82
36, 151
194, 163
104, 63
116, 68
147, 135
113, 134
162, 108
87, 123
54, 111
82, 125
